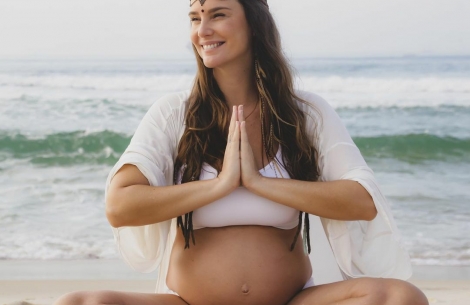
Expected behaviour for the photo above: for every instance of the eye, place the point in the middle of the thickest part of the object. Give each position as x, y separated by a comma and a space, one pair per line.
219, 15
193, 19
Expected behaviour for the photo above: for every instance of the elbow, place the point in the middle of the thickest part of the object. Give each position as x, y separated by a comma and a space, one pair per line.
112, 211
112, 216
371, 211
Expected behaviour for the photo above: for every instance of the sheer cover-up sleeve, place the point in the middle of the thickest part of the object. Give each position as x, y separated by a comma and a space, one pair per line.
152, 150
361, 248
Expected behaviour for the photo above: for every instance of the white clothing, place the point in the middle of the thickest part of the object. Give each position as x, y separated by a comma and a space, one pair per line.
361, 248
242, 207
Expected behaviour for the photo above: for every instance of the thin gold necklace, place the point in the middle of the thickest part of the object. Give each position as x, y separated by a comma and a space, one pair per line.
252, 110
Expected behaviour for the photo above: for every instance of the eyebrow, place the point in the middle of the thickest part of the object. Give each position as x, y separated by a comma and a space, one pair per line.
209, 11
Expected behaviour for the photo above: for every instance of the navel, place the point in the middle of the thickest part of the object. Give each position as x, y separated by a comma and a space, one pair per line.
245, 289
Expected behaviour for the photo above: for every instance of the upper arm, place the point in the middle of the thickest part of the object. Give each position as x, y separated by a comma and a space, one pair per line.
127, 175
148, 160
338, 156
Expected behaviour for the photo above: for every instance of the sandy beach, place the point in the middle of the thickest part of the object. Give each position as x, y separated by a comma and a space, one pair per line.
42, 282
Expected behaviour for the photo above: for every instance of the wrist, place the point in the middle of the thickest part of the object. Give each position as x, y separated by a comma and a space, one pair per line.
256, 185
221, 188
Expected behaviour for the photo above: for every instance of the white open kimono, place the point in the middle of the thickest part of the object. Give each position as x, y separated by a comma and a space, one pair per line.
361, 248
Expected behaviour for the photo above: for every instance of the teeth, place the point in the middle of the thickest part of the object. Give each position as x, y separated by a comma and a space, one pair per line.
211, 46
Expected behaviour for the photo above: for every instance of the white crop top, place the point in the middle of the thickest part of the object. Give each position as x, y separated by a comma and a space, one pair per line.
242, 207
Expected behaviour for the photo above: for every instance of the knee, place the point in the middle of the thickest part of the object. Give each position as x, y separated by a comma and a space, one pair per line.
402, 292
77, 298
394, 292
85, 298
371, 291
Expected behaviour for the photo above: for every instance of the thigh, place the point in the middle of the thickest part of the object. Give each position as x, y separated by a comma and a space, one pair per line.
340, 291
109, 297
133, 298
362, 291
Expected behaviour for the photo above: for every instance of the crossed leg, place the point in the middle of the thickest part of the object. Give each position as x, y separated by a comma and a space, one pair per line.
108, 297
363, 291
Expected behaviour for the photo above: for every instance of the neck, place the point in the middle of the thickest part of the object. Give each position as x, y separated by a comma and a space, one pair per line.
238, 84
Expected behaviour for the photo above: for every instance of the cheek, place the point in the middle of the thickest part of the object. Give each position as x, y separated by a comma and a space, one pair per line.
243, 41
242, 33
193, 36
194, 40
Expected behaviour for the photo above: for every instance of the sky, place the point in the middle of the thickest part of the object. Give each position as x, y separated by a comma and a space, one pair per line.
160, 28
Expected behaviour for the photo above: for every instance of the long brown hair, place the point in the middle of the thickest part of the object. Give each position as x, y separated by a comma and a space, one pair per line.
205, 136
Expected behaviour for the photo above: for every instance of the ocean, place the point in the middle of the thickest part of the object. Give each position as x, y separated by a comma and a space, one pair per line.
63, 124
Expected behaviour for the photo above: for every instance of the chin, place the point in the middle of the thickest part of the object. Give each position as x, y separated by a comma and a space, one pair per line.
210, 63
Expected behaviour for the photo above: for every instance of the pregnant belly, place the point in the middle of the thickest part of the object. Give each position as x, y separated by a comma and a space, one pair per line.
238, 265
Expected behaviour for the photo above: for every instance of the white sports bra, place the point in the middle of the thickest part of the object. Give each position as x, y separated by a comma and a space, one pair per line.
242, 207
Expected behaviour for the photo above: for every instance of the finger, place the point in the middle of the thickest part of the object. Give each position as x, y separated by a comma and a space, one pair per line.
246, 152
236, 137
241, 114
236, 133
231, 127
243, 134
244, 144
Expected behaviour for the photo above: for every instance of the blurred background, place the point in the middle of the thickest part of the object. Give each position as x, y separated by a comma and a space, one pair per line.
76, 77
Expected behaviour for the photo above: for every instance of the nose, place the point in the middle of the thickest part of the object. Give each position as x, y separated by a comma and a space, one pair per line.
205, 28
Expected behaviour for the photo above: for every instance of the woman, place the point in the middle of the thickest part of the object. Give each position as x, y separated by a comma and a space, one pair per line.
217, 184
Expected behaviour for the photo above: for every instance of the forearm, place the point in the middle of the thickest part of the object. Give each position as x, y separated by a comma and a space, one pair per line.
138, 205
340, 199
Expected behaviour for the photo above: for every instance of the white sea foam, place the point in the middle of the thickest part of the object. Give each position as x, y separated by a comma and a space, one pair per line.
175, 82
125, 82
341, 91
387, 85
353, 92
37, 246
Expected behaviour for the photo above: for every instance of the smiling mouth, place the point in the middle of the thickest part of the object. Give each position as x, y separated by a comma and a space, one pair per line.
212, 46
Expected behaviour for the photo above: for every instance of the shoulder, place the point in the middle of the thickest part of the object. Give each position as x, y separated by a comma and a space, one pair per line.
322, 121
172, 105
313, 103
320, 114
167, 115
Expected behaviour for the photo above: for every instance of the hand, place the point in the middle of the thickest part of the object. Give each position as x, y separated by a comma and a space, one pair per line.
249, 172
230, 176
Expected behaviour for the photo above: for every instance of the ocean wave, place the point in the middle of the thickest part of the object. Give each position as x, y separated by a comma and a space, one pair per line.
66, 148
436, 252
331, 83
387, 84
166, 82
49, 246
105, 147
415, 148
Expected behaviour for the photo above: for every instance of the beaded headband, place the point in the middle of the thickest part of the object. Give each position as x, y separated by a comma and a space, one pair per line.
191, 2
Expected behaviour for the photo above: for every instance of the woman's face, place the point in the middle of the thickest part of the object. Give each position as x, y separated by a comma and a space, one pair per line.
220, 32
